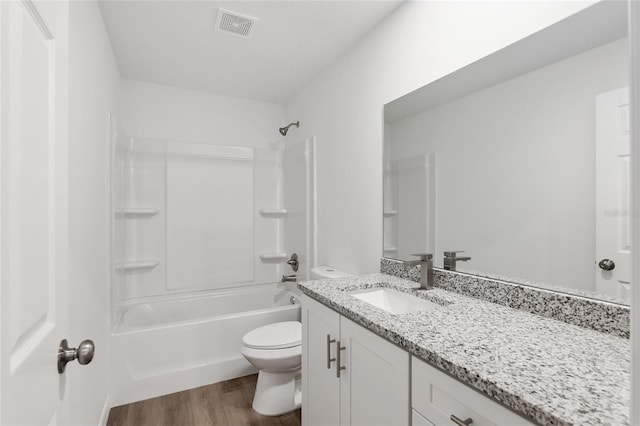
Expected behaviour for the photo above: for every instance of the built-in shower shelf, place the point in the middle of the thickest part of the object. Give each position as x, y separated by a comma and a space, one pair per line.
136, 212
273, 213
389, 213
273, 257
137, 265
390, 249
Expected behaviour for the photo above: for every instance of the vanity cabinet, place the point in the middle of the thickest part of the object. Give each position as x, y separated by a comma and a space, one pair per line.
376, 378
436, 398
350, 376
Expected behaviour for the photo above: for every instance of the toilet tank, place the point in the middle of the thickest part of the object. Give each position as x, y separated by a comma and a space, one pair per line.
325, 272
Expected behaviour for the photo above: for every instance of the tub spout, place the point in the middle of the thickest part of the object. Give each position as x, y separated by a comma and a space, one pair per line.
289, 278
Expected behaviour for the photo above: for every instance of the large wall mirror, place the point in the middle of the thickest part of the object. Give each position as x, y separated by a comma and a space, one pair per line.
521, 160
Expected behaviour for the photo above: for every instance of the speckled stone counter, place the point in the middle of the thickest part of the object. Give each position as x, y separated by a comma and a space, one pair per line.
553, 302
548, 371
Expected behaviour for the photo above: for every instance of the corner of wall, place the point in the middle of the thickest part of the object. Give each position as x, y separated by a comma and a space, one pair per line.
634, 31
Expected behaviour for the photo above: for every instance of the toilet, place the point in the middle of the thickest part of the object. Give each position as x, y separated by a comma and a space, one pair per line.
276, 350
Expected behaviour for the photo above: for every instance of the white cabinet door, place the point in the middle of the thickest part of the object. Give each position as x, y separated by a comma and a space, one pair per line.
33, 210
375, 382
320, 386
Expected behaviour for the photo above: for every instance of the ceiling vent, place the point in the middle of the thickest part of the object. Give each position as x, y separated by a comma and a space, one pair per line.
235, 23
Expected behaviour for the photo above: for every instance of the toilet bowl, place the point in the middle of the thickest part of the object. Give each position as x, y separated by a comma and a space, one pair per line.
276, 350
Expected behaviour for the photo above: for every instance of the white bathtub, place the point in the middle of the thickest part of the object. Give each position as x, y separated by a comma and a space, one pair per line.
168, 346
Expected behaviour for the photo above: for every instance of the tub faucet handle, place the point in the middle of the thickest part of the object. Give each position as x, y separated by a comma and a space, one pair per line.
294, 262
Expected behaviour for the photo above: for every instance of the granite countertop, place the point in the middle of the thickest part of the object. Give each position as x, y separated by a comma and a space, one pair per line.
549, 371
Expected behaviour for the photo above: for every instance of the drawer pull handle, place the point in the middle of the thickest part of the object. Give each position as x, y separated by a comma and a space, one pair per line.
329, 359
338, 366
459, 422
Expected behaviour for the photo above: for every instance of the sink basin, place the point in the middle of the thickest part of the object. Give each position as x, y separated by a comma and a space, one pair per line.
394, 301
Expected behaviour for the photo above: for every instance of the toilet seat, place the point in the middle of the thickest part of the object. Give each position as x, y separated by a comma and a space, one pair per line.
280, 335
274, 360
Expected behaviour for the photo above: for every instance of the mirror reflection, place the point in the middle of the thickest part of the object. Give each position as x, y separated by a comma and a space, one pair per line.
520, 160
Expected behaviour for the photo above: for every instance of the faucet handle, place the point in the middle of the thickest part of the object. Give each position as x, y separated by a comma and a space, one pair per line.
423, 256
452, 253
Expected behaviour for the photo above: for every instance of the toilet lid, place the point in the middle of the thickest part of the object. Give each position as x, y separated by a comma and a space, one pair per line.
275, 336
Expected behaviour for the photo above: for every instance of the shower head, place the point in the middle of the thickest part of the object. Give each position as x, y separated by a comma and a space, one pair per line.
284, 130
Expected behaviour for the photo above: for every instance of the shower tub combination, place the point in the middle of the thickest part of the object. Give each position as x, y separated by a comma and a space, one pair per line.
168, 346
201, 234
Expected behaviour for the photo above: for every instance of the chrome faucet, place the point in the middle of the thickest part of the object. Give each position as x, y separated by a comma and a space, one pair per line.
289, 278
426, 269
450, 259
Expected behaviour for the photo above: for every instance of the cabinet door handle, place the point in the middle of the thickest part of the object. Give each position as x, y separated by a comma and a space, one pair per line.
459, 422
338, 366
329, 359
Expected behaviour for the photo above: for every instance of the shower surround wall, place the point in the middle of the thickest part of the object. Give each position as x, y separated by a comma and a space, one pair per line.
191, 218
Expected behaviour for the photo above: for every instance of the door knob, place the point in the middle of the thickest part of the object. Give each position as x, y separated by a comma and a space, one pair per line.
84, 353
607, 264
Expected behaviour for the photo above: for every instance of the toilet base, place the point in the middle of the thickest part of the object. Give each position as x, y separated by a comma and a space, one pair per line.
277, 393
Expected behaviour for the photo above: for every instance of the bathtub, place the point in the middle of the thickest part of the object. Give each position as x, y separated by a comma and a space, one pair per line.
167, 346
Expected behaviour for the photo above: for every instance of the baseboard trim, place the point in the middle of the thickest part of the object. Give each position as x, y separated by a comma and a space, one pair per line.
104, 416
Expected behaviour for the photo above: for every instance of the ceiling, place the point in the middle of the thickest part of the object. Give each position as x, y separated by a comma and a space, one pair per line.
175, 43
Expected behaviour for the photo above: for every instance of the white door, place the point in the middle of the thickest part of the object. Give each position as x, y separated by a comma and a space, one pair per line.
613, 207
374, 385
33, 213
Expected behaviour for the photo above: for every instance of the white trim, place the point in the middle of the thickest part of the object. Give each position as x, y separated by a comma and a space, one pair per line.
634, 41
310, 155
37, 19
314, 209
104, 416
186, 149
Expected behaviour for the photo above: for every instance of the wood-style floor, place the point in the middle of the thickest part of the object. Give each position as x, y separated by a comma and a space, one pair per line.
225, 404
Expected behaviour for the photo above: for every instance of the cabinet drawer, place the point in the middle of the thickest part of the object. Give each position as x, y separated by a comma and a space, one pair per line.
437, 397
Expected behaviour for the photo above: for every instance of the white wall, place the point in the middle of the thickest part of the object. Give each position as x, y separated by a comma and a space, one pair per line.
516, 181
93, 87
164, 112
342, 107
